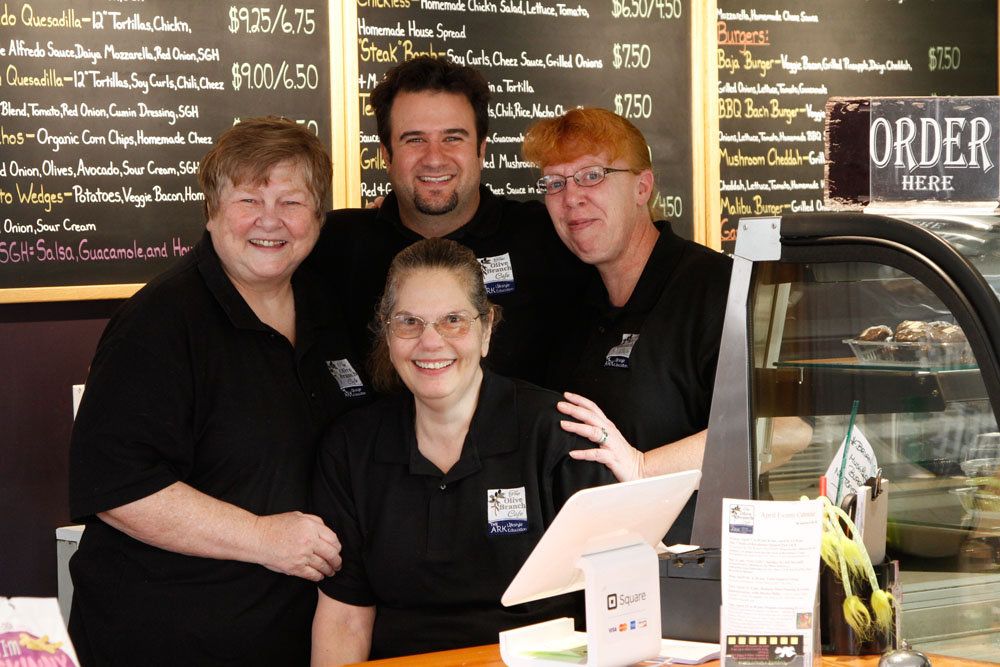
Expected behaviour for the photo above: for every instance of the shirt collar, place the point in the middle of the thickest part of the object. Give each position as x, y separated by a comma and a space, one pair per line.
309, 301
493, 432
660, 266
222, 288
484, 223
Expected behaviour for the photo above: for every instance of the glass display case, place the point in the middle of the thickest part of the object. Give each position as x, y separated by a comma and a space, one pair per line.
901, 315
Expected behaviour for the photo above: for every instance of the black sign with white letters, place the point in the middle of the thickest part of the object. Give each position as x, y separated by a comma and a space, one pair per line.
936, 149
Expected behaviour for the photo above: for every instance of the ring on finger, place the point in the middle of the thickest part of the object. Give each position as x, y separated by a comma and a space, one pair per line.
604, 435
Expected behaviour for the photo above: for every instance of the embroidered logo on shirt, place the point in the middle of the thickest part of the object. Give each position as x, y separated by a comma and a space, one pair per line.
498, 274
507, 511
347, 378
618, 355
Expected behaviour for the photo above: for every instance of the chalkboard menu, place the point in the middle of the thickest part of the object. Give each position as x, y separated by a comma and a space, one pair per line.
542, 57
779, 61
106, 108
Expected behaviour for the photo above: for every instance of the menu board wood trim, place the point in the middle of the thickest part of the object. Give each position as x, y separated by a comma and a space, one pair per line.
74, 293
344, 110
705, 117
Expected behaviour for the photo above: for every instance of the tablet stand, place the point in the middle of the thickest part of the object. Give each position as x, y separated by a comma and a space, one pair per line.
622, 592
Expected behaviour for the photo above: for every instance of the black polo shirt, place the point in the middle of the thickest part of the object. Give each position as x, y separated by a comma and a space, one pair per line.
189, 385
650, 365
528, 272
434, 552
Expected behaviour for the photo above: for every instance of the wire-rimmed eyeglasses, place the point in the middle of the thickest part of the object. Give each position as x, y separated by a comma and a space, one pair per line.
450, 325
588, 177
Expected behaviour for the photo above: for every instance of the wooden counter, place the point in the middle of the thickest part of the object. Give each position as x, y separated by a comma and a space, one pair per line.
489, 656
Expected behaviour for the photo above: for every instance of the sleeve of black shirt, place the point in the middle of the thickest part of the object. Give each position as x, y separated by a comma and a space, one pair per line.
333, 501
570, 476
132, 436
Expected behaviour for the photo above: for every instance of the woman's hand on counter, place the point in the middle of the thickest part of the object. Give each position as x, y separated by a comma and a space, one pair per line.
625, 461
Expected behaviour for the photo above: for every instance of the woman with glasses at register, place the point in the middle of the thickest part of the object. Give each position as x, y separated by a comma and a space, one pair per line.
438, 493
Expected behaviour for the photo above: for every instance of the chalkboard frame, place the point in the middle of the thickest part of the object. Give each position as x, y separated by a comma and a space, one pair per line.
345, 140
706, 217
68, 293
344, 114
338, 32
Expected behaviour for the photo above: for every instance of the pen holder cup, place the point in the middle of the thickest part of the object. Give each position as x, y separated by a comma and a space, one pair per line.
837, 637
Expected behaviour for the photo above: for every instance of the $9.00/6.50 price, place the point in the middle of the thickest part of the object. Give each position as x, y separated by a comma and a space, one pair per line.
265, 76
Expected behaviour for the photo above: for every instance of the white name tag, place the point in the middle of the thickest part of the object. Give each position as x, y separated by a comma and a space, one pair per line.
498, 274
618, 356
507, 511
347, 378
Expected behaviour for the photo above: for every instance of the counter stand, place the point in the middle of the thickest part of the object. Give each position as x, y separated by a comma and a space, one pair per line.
622, 592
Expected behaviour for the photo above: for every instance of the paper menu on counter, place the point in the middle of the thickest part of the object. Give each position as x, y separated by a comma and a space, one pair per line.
770, 576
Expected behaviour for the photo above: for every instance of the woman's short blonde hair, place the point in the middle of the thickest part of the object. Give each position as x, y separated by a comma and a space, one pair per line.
246, 153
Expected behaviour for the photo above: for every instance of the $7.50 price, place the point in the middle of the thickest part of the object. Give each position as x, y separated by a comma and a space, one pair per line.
944, 58
632, 56
634, 105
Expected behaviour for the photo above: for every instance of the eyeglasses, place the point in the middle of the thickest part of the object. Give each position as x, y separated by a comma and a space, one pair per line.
587, 177
452, 325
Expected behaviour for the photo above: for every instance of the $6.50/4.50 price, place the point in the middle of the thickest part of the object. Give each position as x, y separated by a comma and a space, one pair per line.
265, 76
645, 9
670, 206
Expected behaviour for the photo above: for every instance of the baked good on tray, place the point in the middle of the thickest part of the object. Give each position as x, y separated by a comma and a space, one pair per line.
878, 332
946, 332
915, 341
912, 331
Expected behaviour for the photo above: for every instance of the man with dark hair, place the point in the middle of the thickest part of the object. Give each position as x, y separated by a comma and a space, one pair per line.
432, 120
432, 74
